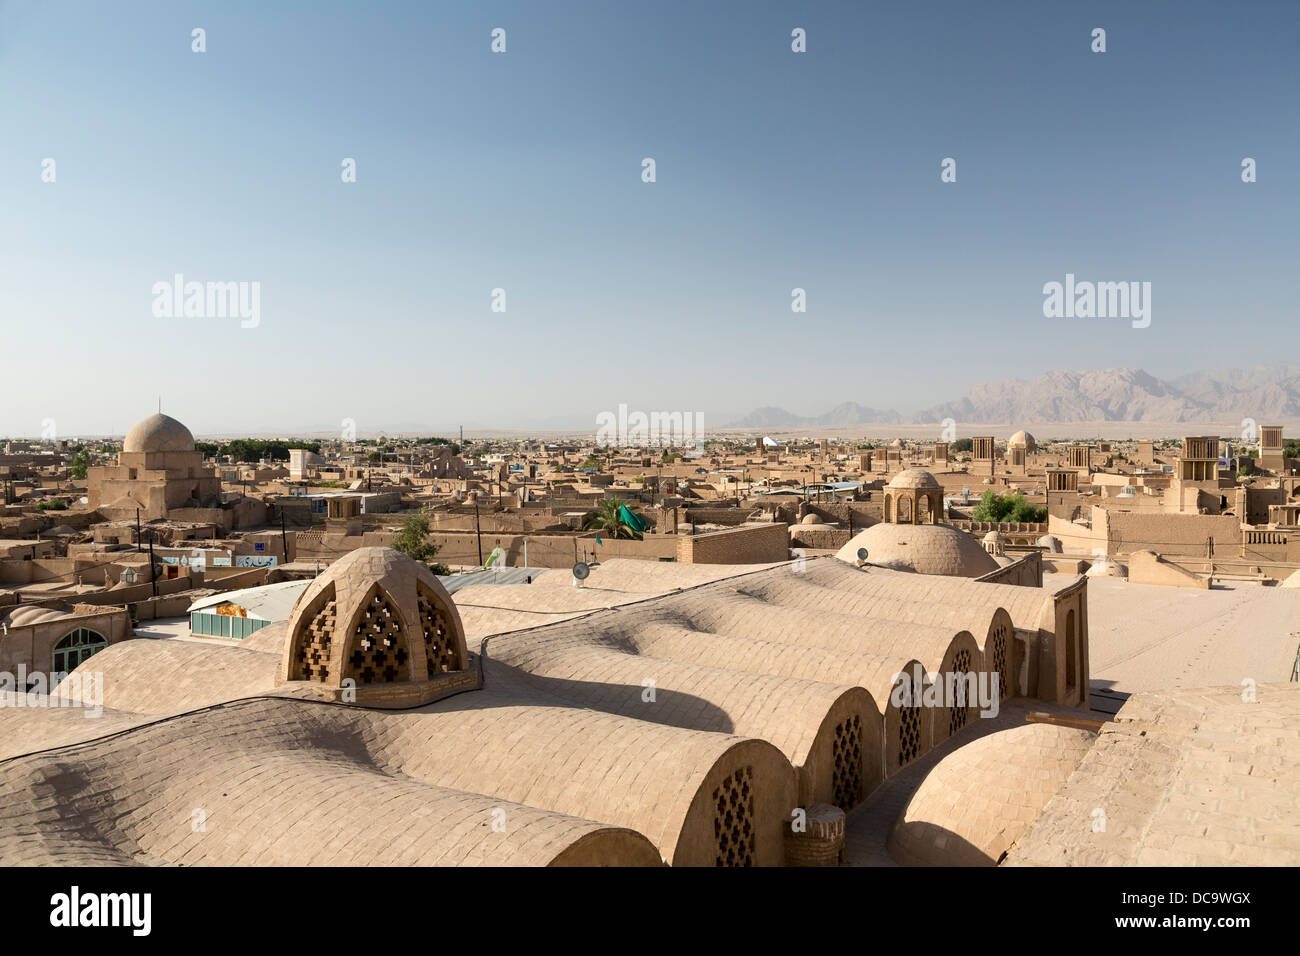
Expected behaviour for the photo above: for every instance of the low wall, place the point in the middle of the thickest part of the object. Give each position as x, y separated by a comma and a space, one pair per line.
749, 544
1147, 567
1027, 572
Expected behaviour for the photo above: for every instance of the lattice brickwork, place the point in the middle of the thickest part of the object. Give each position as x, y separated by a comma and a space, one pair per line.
440, 649
378, 645
1000, 660
909, 734
733, 819
957, 713
311, 661
847, 775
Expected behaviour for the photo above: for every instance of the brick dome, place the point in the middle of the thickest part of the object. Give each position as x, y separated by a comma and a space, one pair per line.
923, 548
158, 433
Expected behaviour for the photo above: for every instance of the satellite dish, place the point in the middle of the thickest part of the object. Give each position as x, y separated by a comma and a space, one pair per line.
862, 554
581, 571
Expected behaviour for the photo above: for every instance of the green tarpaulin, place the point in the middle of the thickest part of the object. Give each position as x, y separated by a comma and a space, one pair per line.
631, 519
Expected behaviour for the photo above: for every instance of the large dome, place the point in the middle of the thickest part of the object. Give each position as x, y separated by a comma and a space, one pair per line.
158, 433
914, 478
923, 548
1024, 440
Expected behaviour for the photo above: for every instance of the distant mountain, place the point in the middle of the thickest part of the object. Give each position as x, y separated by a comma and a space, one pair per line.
1272, 391
1263, 392
1101, 395
842, 415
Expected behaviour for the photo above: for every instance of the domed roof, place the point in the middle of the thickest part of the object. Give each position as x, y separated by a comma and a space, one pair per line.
811, 518
984, 796
1051, 543
375, 617
33, 614
158, 433
1024, 439
994, 537
923, 548
914, 478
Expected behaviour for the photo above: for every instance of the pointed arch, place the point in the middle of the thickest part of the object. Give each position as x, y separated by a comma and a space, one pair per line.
378, 646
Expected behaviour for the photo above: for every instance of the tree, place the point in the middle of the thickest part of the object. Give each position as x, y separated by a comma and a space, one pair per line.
1004, 508
608, 518
80, 462
962, 444
413, 541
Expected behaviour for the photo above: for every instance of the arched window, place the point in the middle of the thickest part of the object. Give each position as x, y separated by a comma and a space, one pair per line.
76, 647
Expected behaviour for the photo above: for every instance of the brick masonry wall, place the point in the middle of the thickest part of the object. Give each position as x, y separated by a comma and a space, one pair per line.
751, 544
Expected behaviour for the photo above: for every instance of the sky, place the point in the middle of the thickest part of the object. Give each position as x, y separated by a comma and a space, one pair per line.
523, 171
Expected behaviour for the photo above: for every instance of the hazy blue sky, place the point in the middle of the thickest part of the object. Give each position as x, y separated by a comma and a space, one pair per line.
523, 171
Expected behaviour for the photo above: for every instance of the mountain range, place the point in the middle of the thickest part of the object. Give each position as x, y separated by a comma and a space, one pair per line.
1264, 392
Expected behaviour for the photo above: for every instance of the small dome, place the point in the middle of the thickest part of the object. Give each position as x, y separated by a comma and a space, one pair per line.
914, 478
922, 548
994, 537
33, 615
1051, 543
984, 796
811, 518
375, 617
1022, 440
158, 433
1106, 567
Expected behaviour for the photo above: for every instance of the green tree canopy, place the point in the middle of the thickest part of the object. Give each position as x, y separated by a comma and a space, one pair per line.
1004, 508
413, 541
80, 462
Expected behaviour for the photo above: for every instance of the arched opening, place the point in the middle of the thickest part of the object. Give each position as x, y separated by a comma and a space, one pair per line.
377, 652
75, 647
441, 648
904, 509
889, 507
312, 642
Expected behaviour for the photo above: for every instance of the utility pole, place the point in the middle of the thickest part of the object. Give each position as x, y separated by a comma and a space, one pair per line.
138, 539
153, 568
284, 539
478, 533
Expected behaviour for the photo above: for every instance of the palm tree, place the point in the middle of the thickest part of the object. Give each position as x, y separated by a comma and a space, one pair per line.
607, 518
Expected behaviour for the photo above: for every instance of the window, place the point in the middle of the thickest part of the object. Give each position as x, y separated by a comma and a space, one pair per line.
76, 647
